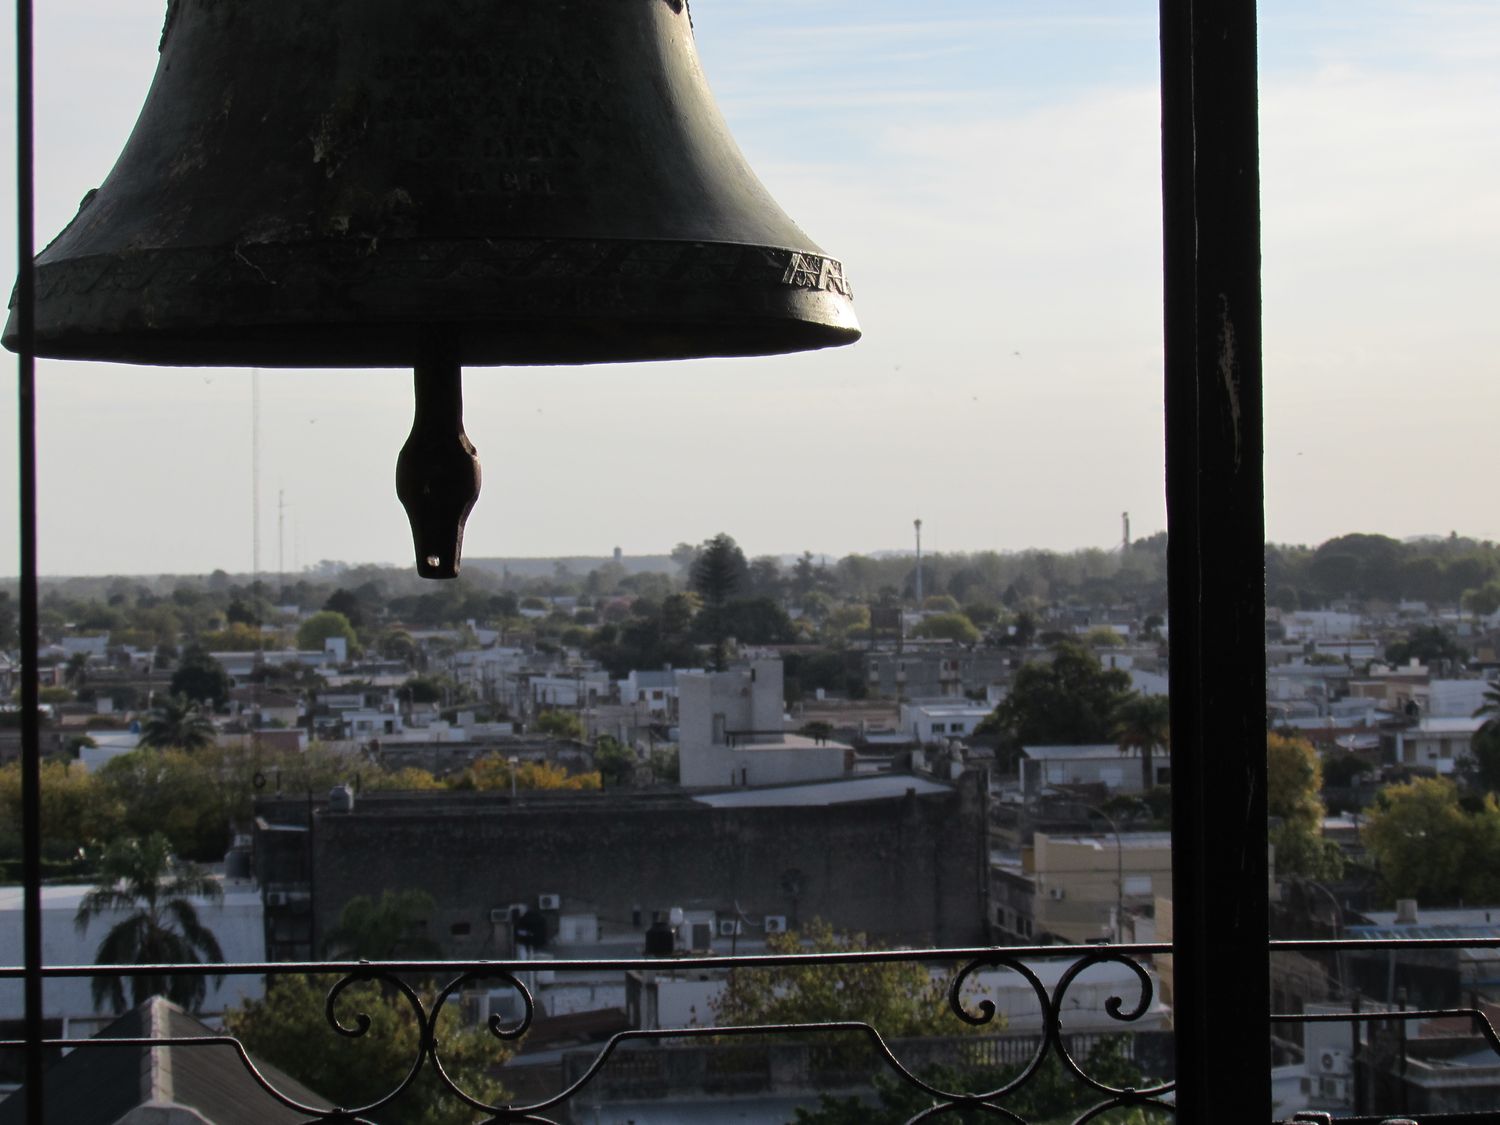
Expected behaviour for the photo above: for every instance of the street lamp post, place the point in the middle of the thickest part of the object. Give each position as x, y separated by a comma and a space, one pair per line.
1119, 870
514, 762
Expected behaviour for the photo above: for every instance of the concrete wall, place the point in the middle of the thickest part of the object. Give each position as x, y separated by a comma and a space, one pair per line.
788, 762
908, 870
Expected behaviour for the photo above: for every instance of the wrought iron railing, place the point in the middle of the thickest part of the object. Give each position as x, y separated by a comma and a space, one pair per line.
1006, 1068
1052, 1044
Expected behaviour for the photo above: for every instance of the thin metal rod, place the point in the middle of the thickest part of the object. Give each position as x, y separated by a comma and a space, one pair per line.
1216, 545
31, 766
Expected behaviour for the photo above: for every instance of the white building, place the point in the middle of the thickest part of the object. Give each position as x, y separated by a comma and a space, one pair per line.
933, 720
732, 732
1105, 765
655, 692
1320, 625
1437, 743
1453, 699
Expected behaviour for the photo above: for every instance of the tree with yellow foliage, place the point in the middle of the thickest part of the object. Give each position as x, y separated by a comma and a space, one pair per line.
1294, 801
494, 771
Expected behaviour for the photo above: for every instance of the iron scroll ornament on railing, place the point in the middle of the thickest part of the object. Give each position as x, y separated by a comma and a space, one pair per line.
355, 1024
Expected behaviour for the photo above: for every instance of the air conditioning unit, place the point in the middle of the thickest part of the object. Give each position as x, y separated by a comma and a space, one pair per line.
499, 914
1056, 894
549, 902
1333, 1062
728, 927
775, 923
276, 898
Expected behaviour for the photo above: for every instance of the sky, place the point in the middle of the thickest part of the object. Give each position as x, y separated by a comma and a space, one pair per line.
988, 172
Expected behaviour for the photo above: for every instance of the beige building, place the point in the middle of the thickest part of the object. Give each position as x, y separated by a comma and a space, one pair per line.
1082, 882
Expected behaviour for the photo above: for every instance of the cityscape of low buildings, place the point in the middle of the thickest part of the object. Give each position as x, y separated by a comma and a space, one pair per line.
702, 812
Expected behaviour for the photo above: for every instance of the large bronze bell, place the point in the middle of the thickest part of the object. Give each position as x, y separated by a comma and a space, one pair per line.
432, 183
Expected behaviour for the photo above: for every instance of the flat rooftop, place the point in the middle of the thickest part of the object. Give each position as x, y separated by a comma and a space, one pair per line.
876, 788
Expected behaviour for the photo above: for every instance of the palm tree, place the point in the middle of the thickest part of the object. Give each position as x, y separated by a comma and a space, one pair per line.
178, 721
1143, 722
1491, 704
141, 879
77, 670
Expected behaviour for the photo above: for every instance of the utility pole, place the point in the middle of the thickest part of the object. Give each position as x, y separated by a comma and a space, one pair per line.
918, 525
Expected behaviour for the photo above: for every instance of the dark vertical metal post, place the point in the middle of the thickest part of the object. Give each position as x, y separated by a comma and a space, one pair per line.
31, 767
1215, 517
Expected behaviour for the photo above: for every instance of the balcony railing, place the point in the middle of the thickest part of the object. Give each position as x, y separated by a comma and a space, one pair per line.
640, 1064
858, 1049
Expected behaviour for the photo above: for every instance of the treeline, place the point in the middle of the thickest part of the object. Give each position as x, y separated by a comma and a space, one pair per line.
224, 611
200, 798
1455, 571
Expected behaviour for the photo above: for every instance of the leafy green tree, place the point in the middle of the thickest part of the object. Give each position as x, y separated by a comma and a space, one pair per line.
76, 813
185, 796
398, 644
289, 1029
560, 724
348, 603
807, 578
719, 572
1428, 847
756, 621
139, 877
952, 626
200, 677
177, 721
1102, 636
1294, 784
846, 620
1483, 600
1427, 644
234, 637
424, 689
1481, 769
323, 625
763, 577
898, 999
1143, 723
240, 612
1070, 700
615, 762
384, 929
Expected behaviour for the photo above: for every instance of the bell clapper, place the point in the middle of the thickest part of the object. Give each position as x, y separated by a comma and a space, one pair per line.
437, 471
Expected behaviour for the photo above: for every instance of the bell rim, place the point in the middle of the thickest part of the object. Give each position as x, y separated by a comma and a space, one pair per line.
522, 302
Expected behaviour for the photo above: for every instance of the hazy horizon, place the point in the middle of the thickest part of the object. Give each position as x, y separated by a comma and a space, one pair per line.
988, 171
786, 557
